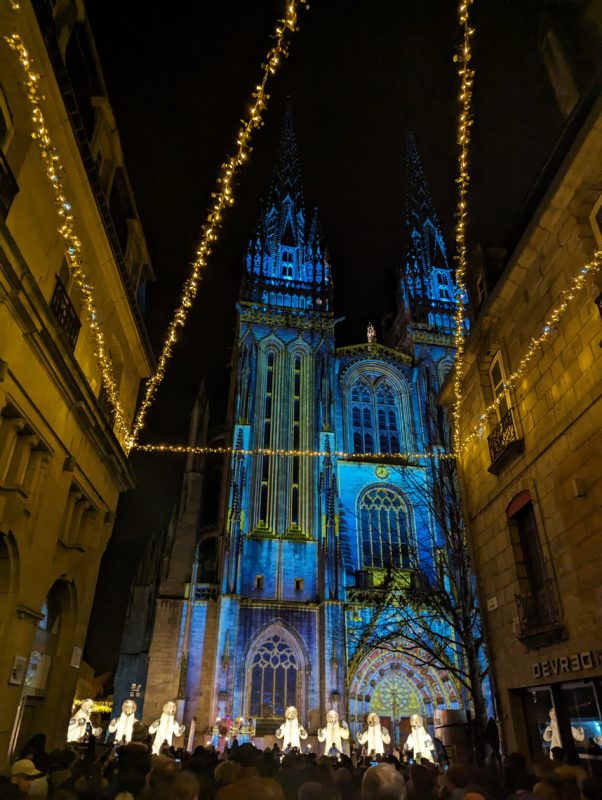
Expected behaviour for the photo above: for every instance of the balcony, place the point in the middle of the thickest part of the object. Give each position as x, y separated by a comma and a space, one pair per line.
8, 186
65, 314
105, 405
206, 591
538, 618
504, 443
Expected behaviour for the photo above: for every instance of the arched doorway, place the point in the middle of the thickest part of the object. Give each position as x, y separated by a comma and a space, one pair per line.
395, 687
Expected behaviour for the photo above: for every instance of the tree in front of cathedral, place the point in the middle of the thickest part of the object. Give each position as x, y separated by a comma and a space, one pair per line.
432, 616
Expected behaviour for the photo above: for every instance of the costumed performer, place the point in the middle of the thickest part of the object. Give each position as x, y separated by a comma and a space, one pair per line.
290, 731
332, 733
123, 725
419, 741
81, 723
376, 737
166, 727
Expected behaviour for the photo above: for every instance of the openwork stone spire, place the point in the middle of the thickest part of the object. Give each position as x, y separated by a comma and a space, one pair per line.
287, 262
427, 281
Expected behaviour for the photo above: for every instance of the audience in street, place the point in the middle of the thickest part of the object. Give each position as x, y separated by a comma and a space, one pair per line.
244, 772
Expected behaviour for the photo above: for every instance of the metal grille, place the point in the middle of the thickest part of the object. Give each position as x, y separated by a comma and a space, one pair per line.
65, 313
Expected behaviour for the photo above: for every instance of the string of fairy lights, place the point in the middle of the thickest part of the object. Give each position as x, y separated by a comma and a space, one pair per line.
73, 244
535, 343
222, 199
285, 453
466, 76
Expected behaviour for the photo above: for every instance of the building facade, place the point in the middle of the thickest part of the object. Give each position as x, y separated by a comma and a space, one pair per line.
256, 613
532, 477
61, 465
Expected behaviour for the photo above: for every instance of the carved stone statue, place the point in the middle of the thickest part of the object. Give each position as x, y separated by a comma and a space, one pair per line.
332, 734
552, 734
371, 333
419, 742
81, 723
123, 725
166, 727
290, 731
376, 737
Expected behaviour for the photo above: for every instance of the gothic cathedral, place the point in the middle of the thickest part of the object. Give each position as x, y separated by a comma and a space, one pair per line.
255, 613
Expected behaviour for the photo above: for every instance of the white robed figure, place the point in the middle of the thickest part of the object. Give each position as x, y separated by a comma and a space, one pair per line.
79, 722
552, 733
376, 737
333, 732
291, 732
419, 740
166, 727
123, 725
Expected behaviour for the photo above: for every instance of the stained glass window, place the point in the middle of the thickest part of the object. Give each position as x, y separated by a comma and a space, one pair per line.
273, 679
384, 528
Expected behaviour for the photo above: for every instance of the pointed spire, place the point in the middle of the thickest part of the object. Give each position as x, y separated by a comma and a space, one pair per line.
427, 281
287, 175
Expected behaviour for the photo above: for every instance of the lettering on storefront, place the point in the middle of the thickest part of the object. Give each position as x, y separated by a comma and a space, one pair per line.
563, 665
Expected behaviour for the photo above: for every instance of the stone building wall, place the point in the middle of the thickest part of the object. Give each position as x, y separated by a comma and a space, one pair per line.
554, 468
61, 465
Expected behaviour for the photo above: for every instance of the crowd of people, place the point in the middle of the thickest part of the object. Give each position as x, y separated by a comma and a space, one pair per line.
132, 772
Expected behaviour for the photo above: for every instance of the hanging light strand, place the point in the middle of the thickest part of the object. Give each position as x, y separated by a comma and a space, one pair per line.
73, 244
222, 198
536, 342
466, 76
262, 451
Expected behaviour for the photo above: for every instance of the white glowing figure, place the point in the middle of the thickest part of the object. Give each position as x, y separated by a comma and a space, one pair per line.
81, 723
166, 727
552, 734
419, 740
123, 725
376, 737
333, 733
290, 731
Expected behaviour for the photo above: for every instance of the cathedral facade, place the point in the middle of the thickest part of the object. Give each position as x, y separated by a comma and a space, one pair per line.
257, 612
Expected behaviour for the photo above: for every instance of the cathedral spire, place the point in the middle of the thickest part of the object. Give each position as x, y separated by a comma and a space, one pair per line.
287, 262
427, 281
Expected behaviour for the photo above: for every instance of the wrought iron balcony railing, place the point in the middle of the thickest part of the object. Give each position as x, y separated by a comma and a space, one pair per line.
504, 443
538, 617
65, 314
8, 186
105, 404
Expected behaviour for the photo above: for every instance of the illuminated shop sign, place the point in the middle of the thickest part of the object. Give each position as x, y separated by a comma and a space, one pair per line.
564, 665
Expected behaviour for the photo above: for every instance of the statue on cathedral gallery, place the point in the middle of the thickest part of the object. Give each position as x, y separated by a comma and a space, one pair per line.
332, 734
371, 333
419, 742
376, 737
290, 731
80, 723
166, 728
552, 733
123, 725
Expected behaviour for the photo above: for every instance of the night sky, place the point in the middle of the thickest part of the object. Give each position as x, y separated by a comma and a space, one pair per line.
361, 73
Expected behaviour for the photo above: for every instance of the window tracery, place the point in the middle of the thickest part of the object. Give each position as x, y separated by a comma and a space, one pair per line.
273, 678
384, 528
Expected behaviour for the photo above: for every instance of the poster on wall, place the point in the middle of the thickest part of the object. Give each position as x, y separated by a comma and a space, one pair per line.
37, 670
17, 673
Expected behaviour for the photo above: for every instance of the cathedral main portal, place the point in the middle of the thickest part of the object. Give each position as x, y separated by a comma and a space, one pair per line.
395, 687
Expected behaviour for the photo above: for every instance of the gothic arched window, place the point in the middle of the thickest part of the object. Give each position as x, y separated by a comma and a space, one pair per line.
388, 419
273, 679
384, 528
362, 422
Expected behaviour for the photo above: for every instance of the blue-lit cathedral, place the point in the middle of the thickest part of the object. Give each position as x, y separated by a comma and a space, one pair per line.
246, 615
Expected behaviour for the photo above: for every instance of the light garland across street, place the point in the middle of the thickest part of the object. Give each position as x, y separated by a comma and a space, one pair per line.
262, 451
466, 76
567, 296
73, 244
223, 198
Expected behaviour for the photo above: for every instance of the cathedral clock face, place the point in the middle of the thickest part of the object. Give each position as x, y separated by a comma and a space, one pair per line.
382, 472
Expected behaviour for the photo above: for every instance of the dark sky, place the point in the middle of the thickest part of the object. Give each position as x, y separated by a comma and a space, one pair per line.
361, 73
